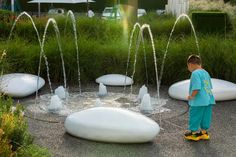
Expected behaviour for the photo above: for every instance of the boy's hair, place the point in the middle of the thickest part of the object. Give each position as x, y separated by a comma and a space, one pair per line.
194, 59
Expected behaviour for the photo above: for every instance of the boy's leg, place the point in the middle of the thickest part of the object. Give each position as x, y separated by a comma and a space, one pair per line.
195, 118
206, 122
206, 119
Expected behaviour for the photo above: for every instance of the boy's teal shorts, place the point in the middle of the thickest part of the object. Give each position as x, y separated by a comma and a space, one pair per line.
200, 117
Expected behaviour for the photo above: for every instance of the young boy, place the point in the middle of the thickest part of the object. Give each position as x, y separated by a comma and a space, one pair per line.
200, 100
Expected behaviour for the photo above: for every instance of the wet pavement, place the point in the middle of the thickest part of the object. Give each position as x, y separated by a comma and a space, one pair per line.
168, 143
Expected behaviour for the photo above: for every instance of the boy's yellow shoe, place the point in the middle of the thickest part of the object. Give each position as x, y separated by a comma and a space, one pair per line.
204, 135
193, 136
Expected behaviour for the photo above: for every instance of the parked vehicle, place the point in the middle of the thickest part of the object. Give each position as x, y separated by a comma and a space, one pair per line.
160, 12
56, 11
111, 13
116, 13
141, 12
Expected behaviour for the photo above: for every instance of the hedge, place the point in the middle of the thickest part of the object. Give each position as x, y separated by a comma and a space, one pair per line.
95, 27
6, 20
211, 22
97, 58
103, 48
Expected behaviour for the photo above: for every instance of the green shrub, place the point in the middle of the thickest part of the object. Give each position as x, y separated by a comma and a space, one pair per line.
91, 27
6, 20
163, 24
33, 151
97, 59
233, 2
211, 22
15, 139
103, 48
95, 28
217, 55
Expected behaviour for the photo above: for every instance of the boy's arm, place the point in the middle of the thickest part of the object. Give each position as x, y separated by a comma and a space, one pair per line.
210, 84
194, 93
195, 84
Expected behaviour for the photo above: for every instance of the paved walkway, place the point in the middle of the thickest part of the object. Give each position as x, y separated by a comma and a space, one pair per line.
168, 143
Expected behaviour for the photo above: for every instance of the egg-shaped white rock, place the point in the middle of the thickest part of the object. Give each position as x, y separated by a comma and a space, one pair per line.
19, 84
114, 80
222, 90
109, 124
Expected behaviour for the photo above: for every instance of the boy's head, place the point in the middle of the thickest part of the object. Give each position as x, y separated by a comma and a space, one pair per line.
194, 62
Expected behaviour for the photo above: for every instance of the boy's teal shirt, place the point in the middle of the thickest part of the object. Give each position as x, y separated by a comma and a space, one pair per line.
201, 81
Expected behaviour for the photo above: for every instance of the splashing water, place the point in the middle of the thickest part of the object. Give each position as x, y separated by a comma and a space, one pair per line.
136, 26
72, 17
40, 44
88, 100
85, 101
142, 91
167, 47
98, 103
146, 106
56, 29
32, 21
154, 55
102, 90
145, 26
138, 42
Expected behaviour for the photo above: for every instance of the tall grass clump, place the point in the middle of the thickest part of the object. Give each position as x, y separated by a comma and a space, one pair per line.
15, 140
162, 25
94, 28
103, 48
233, 2
218, 58
97, 59
6, 20
20, 52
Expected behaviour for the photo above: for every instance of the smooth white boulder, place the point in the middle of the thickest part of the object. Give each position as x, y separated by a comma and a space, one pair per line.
115, 80
20, 84
222, 90
114, 125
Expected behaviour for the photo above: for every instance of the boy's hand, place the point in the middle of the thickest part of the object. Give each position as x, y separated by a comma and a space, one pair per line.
194, 93
190, 97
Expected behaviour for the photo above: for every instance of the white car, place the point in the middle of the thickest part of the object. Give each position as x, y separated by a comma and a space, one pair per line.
56, 11
160, 12
109, 13
141, 12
